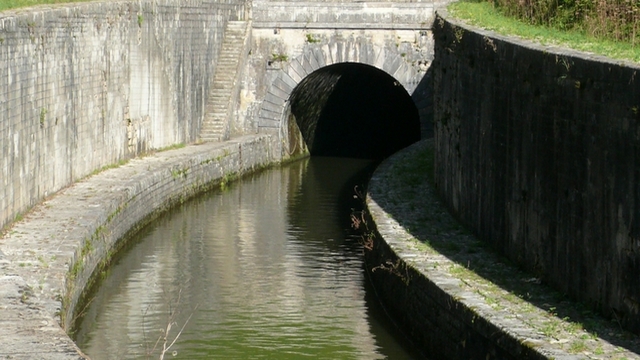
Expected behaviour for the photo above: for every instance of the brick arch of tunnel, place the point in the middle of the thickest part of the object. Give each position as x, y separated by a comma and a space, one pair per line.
353, 107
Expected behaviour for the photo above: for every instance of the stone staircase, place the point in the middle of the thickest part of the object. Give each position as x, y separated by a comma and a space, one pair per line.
225, 88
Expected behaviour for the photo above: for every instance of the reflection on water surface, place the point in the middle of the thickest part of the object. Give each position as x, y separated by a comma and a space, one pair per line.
262, 269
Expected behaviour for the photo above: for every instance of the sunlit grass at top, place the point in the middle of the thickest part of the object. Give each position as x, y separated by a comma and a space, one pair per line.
484, 15
14, 4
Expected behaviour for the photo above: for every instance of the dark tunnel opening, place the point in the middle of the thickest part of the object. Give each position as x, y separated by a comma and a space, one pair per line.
354, 110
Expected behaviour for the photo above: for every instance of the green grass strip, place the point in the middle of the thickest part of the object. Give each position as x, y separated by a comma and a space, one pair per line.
484, 15
14, 4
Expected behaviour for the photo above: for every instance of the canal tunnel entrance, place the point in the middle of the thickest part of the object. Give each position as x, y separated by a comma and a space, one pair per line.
354, 110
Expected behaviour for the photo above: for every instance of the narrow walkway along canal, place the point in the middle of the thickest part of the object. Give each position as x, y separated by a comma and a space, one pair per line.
264, 268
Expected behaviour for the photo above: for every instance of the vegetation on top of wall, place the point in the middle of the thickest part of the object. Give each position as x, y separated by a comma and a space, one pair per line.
13, 4
611, 19
534, 20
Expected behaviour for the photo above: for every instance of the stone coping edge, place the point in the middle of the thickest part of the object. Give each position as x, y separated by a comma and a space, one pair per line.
50, 258
445, 315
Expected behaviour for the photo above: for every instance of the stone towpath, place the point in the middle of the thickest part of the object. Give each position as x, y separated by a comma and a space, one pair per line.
411, 219
57, 245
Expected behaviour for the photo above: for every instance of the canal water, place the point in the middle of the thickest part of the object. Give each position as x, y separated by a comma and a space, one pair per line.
263, 268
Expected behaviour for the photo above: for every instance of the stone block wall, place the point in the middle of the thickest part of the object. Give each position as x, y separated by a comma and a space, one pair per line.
87, 85
343, 14
538, 152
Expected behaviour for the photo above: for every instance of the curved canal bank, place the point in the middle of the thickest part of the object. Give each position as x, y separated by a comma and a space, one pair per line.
48, 258
453, 295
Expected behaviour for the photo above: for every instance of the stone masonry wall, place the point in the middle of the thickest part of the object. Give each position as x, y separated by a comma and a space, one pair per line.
394, 37
538, 151
87, 85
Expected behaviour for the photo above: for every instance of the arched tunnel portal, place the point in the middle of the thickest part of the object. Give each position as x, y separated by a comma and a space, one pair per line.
354, 110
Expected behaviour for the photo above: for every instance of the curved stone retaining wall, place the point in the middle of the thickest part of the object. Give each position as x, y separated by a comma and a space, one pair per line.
538, 151
87, 85
451, 294
440, 313
49, 260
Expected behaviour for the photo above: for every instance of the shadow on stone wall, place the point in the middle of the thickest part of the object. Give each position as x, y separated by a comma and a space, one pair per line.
538, 152
423, 99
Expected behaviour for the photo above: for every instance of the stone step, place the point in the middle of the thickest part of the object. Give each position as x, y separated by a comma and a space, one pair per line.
217, 110
210, 133
219, 101
217, 104
213, 126
219, 98
212, 130
225, 78
214, 120
215, 133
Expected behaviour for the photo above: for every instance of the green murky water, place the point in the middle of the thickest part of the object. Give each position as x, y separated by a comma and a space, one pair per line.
264, 269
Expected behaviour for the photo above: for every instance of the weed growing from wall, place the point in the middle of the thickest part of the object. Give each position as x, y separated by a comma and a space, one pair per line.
43, 115
279, 57
367, 239
312, 39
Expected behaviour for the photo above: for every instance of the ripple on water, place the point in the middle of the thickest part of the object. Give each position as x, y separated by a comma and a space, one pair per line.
265, 269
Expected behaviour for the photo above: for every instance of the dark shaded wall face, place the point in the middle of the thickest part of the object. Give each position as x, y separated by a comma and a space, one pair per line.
354, 110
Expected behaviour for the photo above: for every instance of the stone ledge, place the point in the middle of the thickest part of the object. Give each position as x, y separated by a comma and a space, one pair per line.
49, 258
453, 296
363, 15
